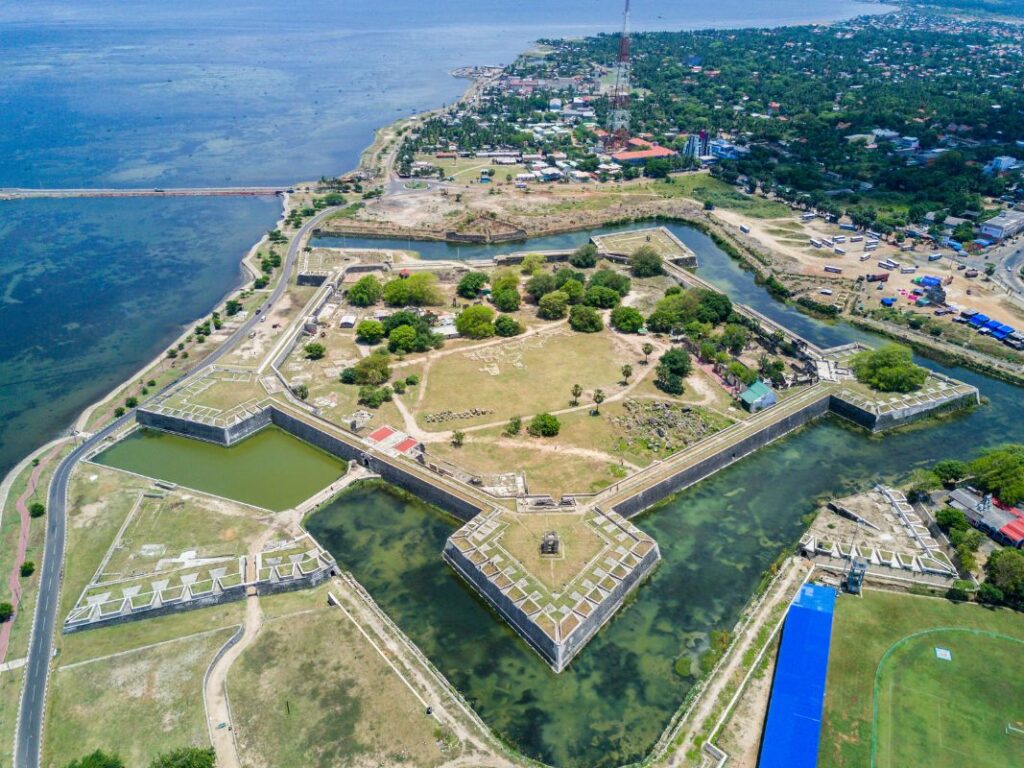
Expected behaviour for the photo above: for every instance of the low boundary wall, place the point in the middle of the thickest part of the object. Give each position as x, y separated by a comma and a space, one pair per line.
391, 472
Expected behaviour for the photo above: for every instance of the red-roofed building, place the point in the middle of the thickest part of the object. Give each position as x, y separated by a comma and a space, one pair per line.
643, 143
641, 156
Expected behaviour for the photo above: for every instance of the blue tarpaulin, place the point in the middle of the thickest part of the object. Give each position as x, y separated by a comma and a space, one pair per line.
793, 726
979, 320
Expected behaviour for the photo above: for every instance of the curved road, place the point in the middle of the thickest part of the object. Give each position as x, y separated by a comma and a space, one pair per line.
37, 670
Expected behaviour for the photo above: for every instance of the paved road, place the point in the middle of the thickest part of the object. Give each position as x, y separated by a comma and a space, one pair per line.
19, 193
37, 669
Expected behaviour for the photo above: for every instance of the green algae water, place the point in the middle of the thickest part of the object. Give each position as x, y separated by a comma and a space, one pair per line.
270, 469
717, 539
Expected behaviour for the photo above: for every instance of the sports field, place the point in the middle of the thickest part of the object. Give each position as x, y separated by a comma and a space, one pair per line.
891, 701
948, 698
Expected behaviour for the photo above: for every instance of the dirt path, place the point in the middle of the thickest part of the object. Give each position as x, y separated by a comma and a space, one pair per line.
14, 578
480, 748
709, 701
218, 710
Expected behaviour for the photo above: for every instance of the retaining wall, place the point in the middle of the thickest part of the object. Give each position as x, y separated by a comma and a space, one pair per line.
225, 596
557, 653
696, 472
211, 433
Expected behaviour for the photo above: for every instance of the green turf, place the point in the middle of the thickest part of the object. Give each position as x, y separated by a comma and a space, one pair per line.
949, 713
863, 630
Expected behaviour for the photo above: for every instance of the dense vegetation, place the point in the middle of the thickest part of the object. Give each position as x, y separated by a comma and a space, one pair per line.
890, 368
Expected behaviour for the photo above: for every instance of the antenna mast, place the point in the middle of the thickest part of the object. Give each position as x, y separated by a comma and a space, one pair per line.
618, 116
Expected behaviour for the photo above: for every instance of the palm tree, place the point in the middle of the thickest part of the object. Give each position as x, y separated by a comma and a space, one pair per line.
577, 390
598, 399
627, 371
647, 348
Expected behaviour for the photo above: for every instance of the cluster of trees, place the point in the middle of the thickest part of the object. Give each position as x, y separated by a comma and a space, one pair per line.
890, 368
689, 311
184, 757
998, 470
405, 332
417, 290
962, 536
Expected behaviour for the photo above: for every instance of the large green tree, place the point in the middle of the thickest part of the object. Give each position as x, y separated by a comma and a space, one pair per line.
890, 368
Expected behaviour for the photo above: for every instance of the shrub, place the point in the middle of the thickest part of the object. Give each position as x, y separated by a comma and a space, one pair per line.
544, 425
28, 568
627, 319
186, 757
471, 284
608, 278
398, 387
372, 370
585, 319
402, 339
6, 611
574, 290
315, 350
539, 285
514, 426
412, 380
584, 257
532, 263
475, 322
370, 331
301, 391
667, 381
601, 297
645, 262
506, 299
677, 361
98, 759
508, 326
36, 509
131, 402
553, 306
504, 280
367, 291
374, 397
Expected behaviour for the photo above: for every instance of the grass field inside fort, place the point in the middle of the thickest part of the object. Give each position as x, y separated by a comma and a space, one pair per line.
893, 701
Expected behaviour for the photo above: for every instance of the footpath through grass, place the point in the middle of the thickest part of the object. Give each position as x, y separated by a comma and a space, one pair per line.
969, 695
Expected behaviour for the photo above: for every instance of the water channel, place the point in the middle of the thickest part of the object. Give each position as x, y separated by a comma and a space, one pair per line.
611, 704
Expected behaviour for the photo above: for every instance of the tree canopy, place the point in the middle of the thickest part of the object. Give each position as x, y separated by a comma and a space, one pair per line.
365, 291
475, 322
553, 306
645, 262
890, 368
471, 284
1000, 471
585, 319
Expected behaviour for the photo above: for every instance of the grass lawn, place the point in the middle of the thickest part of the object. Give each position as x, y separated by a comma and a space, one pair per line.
220, 391
547, 471
335, 703
578, 545
521, 376
864, 629
707, 189
137, 705
947, 713
10, 698
99, 499
95, 643
164, 528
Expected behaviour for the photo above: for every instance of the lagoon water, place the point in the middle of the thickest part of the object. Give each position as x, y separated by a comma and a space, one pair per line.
609, 707
123, 93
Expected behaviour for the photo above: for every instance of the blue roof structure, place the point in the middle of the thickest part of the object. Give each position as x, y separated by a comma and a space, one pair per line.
793, 726
979, 320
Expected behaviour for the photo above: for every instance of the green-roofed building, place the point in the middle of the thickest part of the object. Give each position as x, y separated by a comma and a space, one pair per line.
758, 396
